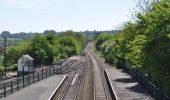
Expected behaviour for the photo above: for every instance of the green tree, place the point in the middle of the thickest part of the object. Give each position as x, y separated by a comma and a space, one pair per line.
41, 51
101, 39
50, 31
5, 33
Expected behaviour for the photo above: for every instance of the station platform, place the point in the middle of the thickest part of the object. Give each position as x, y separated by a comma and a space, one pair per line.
41, 90
125, 87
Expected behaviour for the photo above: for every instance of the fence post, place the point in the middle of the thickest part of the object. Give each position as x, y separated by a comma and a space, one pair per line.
4, 90
17, 83
42, 73
23, 81
11, 87
46, 72
146, 81
153, 91
53, 70
50, 71
33, 77
28, 79
38, 76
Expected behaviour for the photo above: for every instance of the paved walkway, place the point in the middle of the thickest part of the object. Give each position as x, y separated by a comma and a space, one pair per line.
125, 87
41, 90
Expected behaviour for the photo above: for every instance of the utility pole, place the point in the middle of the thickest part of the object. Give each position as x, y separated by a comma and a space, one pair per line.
5, 39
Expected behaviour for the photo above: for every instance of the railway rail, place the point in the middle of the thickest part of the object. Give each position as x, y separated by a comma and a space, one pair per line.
72, 88
97, 88
104, 78
74, 71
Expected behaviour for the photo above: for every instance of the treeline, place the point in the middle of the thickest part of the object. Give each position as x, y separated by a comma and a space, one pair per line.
28, 35
144, 43
24, 35
46, 49
92, 35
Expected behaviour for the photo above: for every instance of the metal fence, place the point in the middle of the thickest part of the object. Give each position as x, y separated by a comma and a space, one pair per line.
23, 81
146, 83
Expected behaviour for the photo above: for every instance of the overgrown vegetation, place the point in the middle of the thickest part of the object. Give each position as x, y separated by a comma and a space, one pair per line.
46, 49
144, 43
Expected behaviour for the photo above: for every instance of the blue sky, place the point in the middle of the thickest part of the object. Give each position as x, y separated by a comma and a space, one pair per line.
61, 15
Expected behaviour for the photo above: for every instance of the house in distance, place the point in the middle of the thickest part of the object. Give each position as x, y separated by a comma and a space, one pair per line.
25, 64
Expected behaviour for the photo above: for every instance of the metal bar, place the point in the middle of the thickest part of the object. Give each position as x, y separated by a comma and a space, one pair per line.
33, 77
4, 90
23, 80
46, 72
17, 84
50, 71
38, 76
53, 70
42, 73
28, 79
11, 87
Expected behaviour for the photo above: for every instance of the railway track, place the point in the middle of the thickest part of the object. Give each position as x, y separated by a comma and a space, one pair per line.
97, 88
87, 85
102, 70
67, 65
70, 88
86, 81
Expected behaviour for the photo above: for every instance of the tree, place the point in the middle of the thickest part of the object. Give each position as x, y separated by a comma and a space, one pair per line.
45, 49
40, 50
50, 31
101, 39
50, 38
5, 33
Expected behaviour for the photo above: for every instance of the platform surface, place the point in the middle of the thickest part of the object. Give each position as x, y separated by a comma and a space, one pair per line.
40, 90
125, 86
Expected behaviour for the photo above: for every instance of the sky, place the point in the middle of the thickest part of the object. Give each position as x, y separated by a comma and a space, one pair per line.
60, 15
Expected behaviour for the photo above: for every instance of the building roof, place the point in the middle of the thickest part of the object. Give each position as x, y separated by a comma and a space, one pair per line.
27, 57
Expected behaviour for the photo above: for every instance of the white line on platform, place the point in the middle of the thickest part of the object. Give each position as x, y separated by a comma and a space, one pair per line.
56, 89
114, 90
